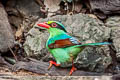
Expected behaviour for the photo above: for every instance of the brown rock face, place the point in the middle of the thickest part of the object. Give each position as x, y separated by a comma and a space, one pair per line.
105, 7
6, 35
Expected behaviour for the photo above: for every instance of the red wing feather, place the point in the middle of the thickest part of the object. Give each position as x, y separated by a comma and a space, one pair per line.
62, 43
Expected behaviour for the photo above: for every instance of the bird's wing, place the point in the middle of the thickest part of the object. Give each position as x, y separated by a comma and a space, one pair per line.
62, 43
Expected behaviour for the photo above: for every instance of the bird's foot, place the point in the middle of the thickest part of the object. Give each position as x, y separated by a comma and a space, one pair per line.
52, 63
72, 70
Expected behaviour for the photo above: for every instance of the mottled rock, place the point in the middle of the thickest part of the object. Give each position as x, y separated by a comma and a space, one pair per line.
6, 35
114, 24
35, 42
52, 6
40, 67
94, 59
102, 8
67, 78
24, 12
84, 28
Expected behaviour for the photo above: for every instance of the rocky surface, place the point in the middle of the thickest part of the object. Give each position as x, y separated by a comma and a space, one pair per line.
56, 78
83, 27
113, 23
52, 6
6, 34
36, 44
69, 78
23, 13
41, 67
102, 8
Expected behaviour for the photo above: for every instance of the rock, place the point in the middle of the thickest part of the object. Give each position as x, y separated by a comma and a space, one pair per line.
35, 42
12, 77
102, 8
42, 68
23, 12
4, 63
113, 23
6, 35
84, 28
52, 6
116, 77
94, 59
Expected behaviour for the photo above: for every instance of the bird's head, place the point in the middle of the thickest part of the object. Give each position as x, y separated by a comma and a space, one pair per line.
52, 24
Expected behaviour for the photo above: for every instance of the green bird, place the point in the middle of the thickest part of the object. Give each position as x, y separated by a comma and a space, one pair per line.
63, 47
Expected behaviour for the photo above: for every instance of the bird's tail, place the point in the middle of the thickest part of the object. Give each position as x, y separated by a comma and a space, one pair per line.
95, 44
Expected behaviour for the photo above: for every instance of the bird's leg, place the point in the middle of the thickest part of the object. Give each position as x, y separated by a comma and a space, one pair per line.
72, 69
52, 63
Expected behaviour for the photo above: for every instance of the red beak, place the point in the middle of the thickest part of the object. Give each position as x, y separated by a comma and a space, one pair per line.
44, 24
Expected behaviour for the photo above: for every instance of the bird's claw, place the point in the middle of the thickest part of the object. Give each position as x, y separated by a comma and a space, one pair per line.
51, 63
72, 70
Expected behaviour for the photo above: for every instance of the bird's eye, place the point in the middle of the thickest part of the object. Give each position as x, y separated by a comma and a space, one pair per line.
54, 25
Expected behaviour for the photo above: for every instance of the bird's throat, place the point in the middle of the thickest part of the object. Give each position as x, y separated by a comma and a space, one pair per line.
54, 32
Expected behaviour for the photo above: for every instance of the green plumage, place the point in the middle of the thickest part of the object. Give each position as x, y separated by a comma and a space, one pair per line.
63, 47
66, 54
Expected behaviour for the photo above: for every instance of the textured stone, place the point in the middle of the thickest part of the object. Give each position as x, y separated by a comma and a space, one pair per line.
40, 67
113, 23
52, 6
35, 42
84, 28
24, 12
6, 35
105, 7
94, 59
12, 77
